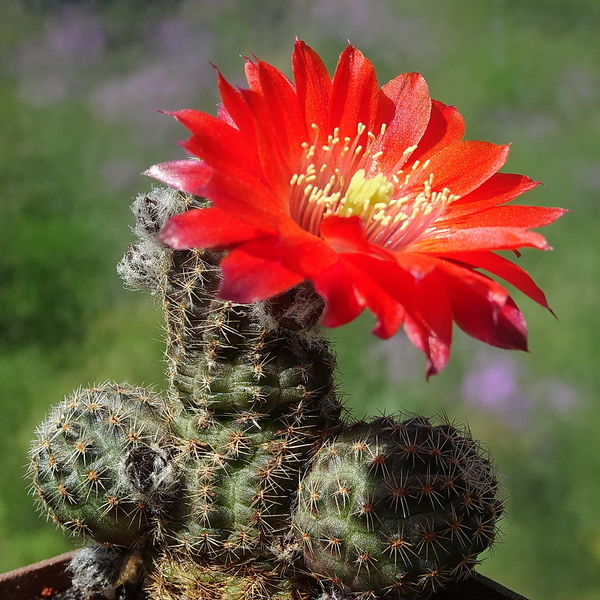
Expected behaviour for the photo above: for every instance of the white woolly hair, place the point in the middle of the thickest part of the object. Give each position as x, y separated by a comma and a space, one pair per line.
302, 311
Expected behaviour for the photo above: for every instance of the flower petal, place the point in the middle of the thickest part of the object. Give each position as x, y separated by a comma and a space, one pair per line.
313, 87
336, 285
435, 348
354, 94
215, 141
507, 270
252, 272
498, 189
446, 126
380, 289
513, 215
460, 167
287, 130
483, 309
479, 238
238, 110
347, 234
209, 228
191, 175
405, 108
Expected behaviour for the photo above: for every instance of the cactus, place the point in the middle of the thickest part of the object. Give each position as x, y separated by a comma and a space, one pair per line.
239, 477
197, 492
397, 507
175, 578
221, 356
101, 465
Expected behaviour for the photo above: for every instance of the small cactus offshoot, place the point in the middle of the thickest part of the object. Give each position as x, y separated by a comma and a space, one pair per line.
100, 463
241, 481
397, 507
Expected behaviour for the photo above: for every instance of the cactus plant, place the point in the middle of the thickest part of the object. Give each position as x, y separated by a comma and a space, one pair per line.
175, 578
397, 507
101, 464
243, 482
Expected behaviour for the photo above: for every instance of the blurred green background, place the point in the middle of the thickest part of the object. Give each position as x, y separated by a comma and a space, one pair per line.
80, 83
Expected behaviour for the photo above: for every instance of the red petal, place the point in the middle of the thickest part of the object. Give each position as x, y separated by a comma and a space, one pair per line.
498, 189
394, 296
305, 253
276, 164
479, 238
460, 167
483, 309
507, 270
336, 286
405, 107
222, 147
429, 314
249, 199
237, 109
354, 94
435, 349
252, 77
385, 288
288, 129
513, 215
387, 309
313, 87
446, 126
191, 176
252, 272
347, 234
209, 228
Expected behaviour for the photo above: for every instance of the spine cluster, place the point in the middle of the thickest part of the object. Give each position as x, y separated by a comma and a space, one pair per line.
242, 482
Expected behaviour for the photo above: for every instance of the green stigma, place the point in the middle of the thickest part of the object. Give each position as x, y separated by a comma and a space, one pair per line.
364, 196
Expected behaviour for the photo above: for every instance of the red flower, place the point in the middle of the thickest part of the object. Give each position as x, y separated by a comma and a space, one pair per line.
370, 193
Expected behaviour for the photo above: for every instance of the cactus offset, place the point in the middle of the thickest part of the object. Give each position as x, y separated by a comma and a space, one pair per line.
101, 464
239, 479
397, 507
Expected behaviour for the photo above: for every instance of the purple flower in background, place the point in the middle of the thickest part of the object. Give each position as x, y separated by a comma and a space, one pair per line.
493, 386
500, 386
50, 66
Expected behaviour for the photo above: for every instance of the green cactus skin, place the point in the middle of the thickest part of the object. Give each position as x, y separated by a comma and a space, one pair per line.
397, 508
235, 373
176, 578
100, 464
239, 475
223, 356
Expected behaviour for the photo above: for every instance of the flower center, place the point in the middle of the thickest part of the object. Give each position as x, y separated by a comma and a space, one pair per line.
344, 178
365, 195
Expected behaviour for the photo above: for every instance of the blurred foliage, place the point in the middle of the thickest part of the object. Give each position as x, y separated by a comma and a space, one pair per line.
80, 82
